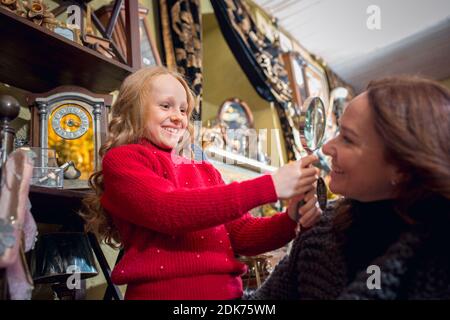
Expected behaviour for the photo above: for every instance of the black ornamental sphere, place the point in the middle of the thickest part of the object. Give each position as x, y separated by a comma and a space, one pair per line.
9, 108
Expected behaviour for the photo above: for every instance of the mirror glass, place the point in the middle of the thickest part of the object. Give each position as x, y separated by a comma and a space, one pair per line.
312, 124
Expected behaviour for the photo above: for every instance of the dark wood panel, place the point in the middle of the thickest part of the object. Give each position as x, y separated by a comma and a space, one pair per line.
56, 206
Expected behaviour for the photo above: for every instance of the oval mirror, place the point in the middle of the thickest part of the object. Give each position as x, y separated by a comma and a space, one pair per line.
312, 124
312, 130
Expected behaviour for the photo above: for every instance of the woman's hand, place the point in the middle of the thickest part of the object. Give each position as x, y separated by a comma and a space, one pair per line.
308, 214
295, 178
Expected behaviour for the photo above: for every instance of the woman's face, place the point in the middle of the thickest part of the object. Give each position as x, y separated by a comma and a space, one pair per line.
359, 169
167, 112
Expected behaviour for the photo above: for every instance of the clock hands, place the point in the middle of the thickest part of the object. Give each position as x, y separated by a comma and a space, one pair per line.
72, 123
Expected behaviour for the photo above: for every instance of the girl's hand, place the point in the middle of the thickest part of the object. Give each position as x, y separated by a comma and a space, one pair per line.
295, 178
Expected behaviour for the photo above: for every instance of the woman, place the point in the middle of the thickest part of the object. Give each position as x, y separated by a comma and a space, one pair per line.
388, 238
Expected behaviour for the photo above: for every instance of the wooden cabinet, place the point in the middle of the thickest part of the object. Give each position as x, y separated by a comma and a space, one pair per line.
36, 59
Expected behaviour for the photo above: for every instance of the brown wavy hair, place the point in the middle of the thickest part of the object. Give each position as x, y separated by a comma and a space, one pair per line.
412, 117
127, 126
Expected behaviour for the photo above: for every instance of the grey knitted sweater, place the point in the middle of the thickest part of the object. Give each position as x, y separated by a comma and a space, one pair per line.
413, 265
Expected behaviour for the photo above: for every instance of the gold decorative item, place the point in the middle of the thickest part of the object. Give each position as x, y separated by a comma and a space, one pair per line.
21, 10
38, 12
35, 11
10, 5
50, 22
15, 6
36, 8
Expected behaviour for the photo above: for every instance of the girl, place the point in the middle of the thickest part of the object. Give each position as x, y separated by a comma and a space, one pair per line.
388, 239
179, 224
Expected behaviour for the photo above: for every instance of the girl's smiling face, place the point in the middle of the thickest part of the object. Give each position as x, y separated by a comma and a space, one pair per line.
167, 116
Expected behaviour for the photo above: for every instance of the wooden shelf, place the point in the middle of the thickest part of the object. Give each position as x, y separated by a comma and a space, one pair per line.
64, 193
56, 206
35, 59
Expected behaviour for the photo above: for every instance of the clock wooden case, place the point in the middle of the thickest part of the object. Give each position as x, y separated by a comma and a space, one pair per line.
73, 121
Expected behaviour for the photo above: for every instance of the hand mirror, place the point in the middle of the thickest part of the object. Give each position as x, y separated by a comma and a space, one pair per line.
312, 130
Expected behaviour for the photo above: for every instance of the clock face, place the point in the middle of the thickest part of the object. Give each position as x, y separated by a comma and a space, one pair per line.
70, 121
71, 133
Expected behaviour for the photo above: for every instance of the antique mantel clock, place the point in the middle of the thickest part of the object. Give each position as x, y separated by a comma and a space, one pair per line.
73, 121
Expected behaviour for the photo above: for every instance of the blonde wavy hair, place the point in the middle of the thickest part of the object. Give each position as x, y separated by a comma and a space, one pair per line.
128, 125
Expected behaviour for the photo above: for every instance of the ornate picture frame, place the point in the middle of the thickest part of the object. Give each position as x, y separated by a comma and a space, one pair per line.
295, 68
285, 42
235, 113
236, 122
316, 82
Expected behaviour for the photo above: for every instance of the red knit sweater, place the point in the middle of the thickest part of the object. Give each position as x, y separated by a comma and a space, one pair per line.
181, 226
